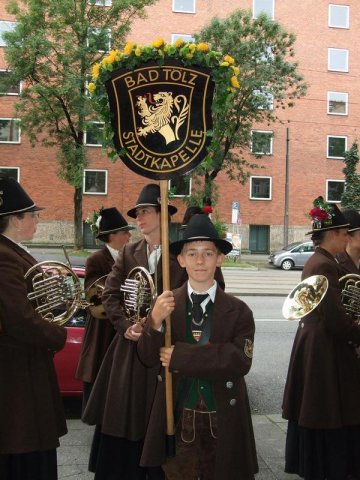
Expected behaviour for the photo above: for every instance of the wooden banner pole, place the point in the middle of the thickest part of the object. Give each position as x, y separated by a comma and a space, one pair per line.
166, 286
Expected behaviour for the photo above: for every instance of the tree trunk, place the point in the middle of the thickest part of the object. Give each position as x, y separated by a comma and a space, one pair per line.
78, 225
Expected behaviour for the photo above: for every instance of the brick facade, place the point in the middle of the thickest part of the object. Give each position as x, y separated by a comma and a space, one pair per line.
308, 125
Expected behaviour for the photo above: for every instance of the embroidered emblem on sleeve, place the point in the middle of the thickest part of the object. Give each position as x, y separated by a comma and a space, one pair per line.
248, 348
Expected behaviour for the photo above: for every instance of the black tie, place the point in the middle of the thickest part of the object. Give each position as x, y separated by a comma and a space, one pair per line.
197, 311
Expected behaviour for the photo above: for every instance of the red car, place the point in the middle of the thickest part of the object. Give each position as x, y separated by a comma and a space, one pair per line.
67, 359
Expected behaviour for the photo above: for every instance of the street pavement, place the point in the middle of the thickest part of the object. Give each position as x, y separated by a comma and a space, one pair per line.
73, 453
270, 429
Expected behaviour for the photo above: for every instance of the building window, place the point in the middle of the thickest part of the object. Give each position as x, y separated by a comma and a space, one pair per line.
180, 186
337, 103
9, 130
261, 142
263, 6
99, 39
334, 190
93, 134
95, 182
260, 188
187, 38
338, 16
5, 27
336, 146
263, 100
11, 90
338, 60
10, 172
184, 6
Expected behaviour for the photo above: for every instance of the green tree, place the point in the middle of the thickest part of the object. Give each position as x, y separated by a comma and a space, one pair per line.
268, 75
351, 195
52, 49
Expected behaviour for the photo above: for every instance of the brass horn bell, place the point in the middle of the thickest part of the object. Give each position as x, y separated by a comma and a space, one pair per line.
57, 292
350, 294
305, 297
93, 295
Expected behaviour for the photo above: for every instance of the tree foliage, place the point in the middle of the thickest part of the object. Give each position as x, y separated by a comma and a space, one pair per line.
265, 53
51, 50
351, 195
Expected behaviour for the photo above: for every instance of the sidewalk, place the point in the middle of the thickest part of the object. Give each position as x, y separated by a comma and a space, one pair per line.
73, 453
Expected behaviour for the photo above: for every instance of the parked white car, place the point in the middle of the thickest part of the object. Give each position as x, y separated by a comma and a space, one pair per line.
294, 255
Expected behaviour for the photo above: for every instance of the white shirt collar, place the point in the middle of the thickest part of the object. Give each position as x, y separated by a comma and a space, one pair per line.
153, 258
24, 247
211, 291
113, 251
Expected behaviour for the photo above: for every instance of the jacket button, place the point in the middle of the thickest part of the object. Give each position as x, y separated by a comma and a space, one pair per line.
159, 378
301, 325
229, 385
233, 402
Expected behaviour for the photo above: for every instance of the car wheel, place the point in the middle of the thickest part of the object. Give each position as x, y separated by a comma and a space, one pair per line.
287, 264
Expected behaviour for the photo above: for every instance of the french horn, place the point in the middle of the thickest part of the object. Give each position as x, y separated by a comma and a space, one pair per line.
350, 294
305, 297
139, 294
93, 295
56, 291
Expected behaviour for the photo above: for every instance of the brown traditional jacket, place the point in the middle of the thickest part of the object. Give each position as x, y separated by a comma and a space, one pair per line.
98, 332
323, 383
124, 389
31, 410
224, 361
346, 263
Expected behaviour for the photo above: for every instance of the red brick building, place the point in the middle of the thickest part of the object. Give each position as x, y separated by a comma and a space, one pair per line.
308, 144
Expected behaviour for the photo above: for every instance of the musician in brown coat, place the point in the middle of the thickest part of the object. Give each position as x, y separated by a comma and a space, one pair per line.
124, 389
211, 354
322, 391
31, 411
349, 259
111, 228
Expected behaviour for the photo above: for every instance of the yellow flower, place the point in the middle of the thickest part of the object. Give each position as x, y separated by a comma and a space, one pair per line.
224, 64
129, 48
95, 71
189, 55
203, 47
179, 42
192, 47
229, 59
159, 42
234, 82
138, 50
91, 87
236, 70
113, 56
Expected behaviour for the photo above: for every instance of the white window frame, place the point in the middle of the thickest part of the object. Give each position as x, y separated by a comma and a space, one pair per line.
342, 7
11, 93
270, 187
327, 189
346, 103
346, 51
176, 9
180, 195
86, 170
100, 3
85, 136
272, 16
185, 36
5, 167
11, 27
270, 133
14, 120
96, 29
327, 144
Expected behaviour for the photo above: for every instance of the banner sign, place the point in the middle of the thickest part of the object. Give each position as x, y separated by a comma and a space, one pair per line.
160, 117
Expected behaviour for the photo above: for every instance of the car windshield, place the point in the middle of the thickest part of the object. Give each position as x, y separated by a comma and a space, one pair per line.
291, 246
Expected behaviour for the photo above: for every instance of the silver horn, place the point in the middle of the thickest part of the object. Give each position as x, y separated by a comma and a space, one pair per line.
139, 294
